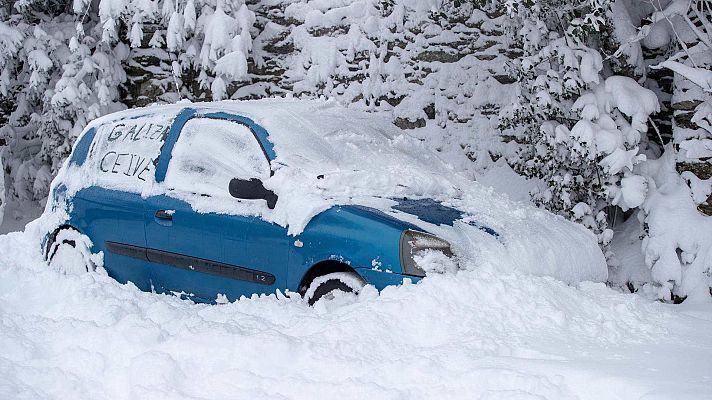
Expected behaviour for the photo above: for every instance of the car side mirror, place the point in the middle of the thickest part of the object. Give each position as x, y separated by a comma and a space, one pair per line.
252, 189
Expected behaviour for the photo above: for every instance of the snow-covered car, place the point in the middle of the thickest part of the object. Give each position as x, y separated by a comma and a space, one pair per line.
220, 200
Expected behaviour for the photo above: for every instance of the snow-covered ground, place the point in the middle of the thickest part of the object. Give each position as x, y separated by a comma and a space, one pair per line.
490, 331
479, 334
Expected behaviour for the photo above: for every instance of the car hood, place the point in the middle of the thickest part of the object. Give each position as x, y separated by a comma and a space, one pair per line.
436, 213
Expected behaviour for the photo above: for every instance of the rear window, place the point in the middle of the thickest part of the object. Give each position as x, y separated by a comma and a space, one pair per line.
124, 153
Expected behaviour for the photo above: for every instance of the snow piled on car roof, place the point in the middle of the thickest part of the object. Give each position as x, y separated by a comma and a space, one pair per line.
329, 155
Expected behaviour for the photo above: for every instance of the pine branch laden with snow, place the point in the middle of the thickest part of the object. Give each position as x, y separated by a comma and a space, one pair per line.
208, 39
64, 69
71, 80
10, 44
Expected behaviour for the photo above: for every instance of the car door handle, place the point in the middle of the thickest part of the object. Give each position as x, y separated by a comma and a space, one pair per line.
165, 215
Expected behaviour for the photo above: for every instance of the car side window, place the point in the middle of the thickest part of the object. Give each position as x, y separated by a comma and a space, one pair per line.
211, 152
123, 153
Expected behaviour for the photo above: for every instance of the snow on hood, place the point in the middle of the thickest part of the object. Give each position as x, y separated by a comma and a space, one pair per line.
329, 155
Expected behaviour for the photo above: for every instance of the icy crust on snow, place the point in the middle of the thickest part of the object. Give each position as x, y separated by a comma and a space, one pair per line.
328, 155
474, 335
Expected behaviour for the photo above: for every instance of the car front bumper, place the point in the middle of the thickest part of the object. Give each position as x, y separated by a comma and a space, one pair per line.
380, 279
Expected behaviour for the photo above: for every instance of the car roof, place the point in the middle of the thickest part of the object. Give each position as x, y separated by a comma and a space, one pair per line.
315, 135
267, 111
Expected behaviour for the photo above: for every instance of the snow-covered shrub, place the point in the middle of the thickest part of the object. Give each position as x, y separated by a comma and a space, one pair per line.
676, 237
579, 132
678, 240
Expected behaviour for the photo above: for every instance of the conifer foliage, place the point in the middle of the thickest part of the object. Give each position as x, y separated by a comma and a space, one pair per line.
580, 130
64, 63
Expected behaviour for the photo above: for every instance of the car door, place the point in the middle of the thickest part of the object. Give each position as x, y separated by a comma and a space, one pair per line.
201, 241
113, 220
119, 164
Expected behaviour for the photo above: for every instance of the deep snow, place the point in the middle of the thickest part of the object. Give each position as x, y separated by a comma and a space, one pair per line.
479, 334
489, 331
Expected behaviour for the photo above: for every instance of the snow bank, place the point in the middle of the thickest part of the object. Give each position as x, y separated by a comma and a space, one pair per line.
475, 335
329, 155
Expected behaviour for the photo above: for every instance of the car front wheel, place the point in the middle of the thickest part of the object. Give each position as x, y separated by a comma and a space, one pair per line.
328, 286
69, 253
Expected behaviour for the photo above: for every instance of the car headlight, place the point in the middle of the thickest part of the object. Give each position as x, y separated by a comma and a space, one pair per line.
414, 242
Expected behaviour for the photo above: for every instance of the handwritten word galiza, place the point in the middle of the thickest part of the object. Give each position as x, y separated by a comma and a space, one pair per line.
130, 149
137, 132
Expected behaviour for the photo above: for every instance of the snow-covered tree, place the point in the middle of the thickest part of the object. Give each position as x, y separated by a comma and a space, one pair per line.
64, 63
564, 107
677, 245
580, 131
59, 79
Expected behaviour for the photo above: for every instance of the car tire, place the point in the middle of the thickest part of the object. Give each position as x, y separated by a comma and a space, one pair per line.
69, 253
324, 286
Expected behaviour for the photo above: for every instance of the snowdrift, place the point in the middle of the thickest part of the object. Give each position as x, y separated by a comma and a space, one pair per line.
478, 334
328, 155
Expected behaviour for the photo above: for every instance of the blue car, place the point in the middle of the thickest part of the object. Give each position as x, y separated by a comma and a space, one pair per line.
214, 201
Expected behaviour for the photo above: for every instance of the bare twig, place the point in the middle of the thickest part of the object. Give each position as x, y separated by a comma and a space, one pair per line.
672, 26
655, 126
700, 35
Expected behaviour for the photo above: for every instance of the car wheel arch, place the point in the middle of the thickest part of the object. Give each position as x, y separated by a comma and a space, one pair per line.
322, 268
53, 236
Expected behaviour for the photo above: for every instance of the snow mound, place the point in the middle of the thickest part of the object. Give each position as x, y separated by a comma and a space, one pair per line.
328, 155
477, 334
677, 249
